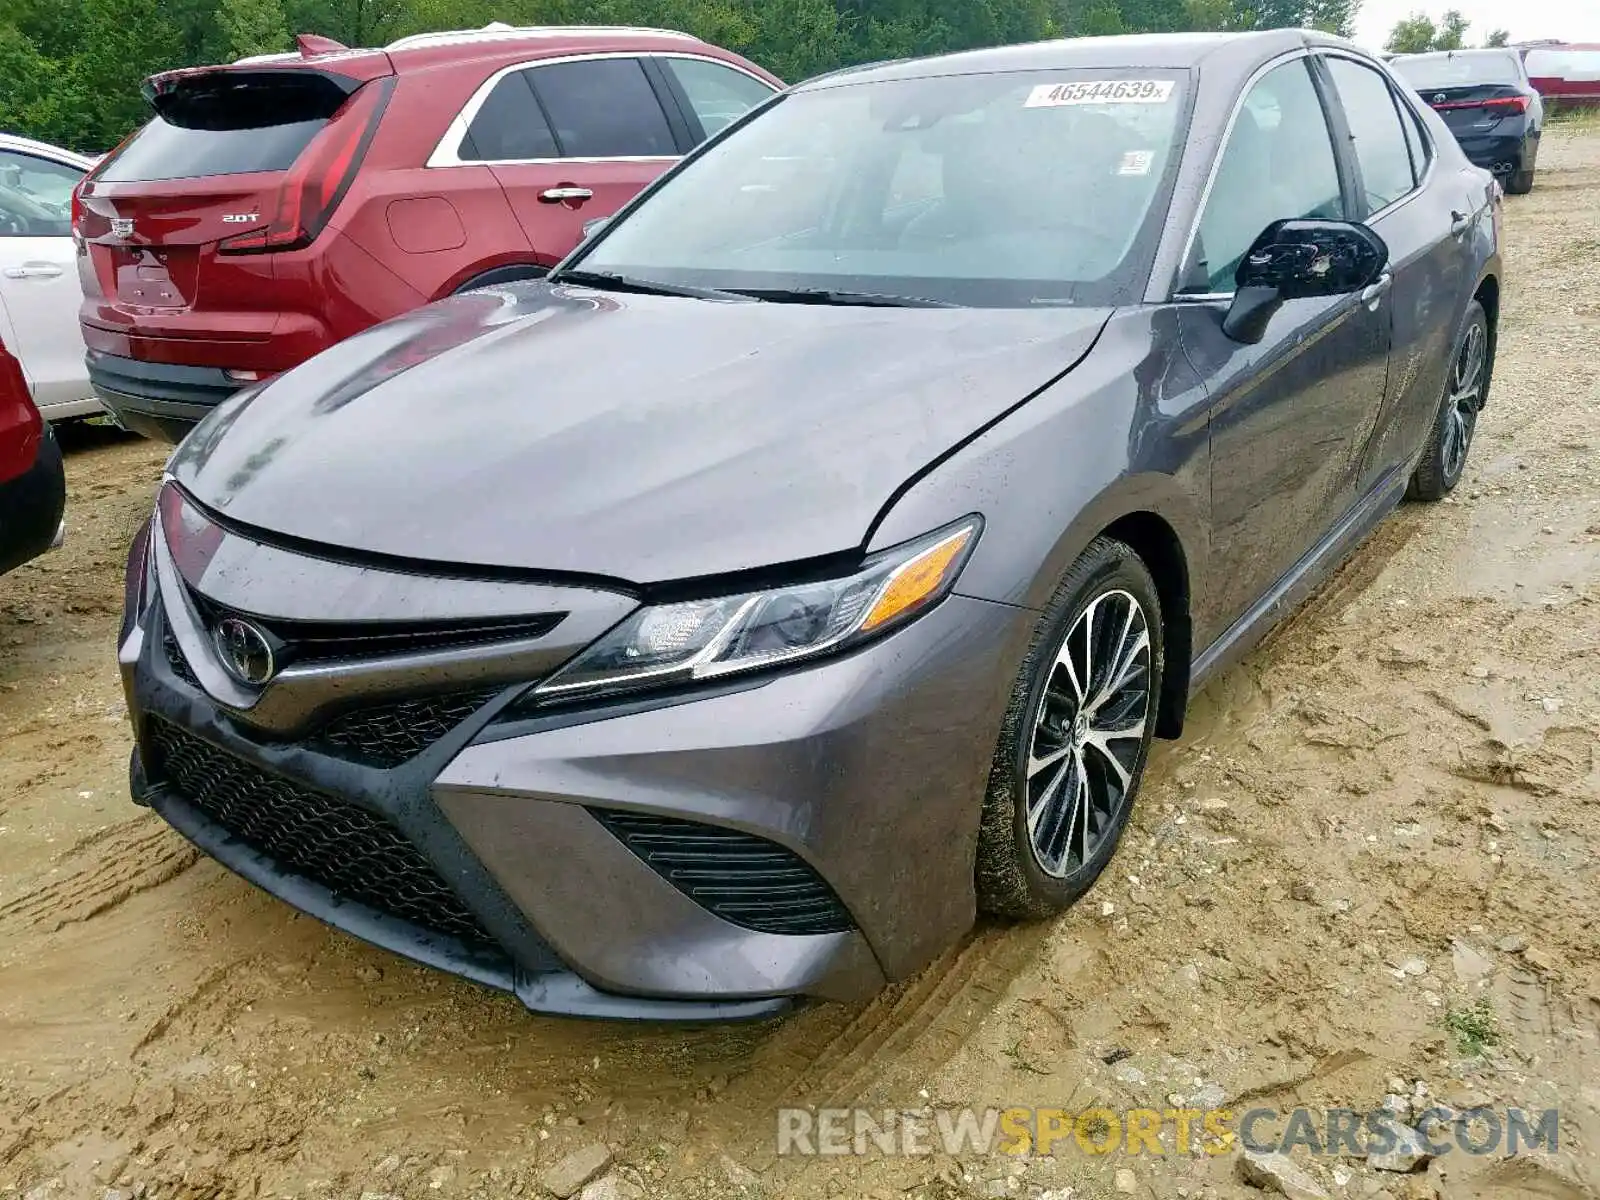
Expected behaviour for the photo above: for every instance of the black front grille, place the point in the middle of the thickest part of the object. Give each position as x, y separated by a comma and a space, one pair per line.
741, 878
388, 734
338, 641
354, 853
176, 660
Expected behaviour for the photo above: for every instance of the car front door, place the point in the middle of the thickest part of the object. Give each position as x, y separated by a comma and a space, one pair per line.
604, 135
1428, 219
1288, 412
39, 276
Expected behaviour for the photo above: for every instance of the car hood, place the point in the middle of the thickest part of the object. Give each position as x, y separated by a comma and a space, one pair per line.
644, 438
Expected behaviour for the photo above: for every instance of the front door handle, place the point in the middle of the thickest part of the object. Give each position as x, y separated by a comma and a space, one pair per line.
1460, 222
33, 271
1372, 295
565, 195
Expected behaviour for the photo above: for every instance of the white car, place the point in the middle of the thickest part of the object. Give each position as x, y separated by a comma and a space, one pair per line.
39, 289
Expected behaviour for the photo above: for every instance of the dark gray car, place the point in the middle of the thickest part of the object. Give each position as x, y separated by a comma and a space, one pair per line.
807, 564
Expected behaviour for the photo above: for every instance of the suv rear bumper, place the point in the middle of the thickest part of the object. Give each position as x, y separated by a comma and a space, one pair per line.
158, 400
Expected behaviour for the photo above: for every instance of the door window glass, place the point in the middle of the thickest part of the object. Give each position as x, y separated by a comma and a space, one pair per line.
509, 126
719, 95
1380, 142
604, 108
1278, 164
35, 196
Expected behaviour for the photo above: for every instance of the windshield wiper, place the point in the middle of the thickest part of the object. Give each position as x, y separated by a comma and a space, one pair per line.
609, 281
834, 296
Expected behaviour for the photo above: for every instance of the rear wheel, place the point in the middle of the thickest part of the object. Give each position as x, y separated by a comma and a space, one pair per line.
1520, 183
1466, 388
1076, 735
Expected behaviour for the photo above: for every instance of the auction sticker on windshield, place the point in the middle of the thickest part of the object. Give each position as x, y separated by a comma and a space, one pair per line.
1101, 91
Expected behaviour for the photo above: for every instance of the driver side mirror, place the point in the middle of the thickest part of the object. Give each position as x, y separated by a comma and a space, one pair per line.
1294, 260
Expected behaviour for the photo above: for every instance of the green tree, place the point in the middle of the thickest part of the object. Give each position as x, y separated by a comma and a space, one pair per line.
1497, 37
1414, 35
253, 26
121, 42
1452, 31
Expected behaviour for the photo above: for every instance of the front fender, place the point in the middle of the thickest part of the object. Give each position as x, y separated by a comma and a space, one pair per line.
1125, 432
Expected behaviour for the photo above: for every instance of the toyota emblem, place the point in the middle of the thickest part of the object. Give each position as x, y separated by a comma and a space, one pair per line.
244, 651
122, 227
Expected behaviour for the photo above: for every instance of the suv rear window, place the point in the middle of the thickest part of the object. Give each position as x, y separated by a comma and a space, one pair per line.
228, 123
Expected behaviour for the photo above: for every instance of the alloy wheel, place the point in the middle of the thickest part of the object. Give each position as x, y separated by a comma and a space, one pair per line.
1463, 399
1088, 733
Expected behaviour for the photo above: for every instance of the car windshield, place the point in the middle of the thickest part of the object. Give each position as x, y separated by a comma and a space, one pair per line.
1456, 70
997, 190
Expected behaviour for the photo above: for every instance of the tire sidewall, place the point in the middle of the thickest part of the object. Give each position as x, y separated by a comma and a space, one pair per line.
1474, 315
1099, 571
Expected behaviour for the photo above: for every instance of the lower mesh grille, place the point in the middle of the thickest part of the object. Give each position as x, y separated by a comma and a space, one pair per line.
354, 853
739, 877
386, 735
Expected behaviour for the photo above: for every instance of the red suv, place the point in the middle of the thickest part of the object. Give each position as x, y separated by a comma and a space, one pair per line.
276, 205
33, 489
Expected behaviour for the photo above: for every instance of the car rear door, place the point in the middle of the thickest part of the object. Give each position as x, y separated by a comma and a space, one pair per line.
1427, 215
39, 275
1287, 413
573, 140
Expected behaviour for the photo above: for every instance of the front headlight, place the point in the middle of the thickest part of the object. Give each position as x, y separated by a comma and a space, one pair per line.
670, 644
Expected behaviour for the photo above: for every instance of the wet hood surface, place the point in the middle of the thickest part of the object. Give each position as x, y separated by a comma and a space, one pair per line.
643, 438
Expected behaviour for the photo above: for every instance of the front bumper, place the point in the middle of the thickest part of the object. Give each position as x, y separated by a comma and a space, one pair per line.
31, 506
864, 773
158, 400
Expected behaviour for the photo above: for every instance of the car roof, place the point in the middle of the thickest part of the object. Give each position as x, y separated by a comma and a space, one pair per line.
1485, 52
12, 141
496, 43
1162, 51
511, 43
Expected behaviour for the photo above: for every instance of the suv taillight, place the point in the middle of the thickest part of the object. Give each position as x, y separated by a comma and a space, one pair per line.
319, 178
77, 211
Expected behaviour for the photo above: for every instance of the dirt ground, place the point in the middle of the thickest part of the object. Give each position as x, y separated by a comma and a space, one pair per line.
1389, 813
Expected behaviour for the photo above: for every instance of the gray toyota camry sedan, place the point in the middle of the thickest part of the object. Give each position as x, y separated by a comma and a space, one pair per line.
806, 564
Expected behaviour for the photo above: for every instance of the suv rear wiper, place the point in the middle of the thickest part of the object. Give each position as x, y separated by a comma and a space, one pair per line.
834, 296
608, 280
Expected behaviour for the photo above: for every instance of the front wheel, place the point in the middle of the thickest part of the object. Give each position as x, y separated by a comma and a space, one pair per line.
1466, 387
1076, 735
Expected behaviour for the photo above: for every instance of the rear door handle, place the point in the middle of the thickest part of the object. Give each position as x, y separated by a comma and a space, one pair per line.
33, 271
566, 195
1460, 222
1374, 293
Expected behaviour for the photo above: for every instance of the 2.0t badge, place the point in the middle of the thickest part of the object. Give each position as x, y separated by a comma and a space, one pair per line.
244, 651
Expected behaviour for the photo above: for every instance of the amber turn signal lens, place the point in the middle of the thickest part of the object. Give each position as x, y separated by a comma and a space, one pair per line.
919, 580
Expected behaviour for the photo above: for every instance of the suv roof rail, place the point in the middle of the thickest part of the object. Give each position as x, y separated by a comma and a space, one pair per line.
498, 30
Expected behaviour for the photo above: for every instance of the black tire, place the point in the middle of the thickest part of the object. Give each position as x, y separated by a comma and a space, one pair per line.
499, 275
1520, 183
1444, 457
1012, 880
